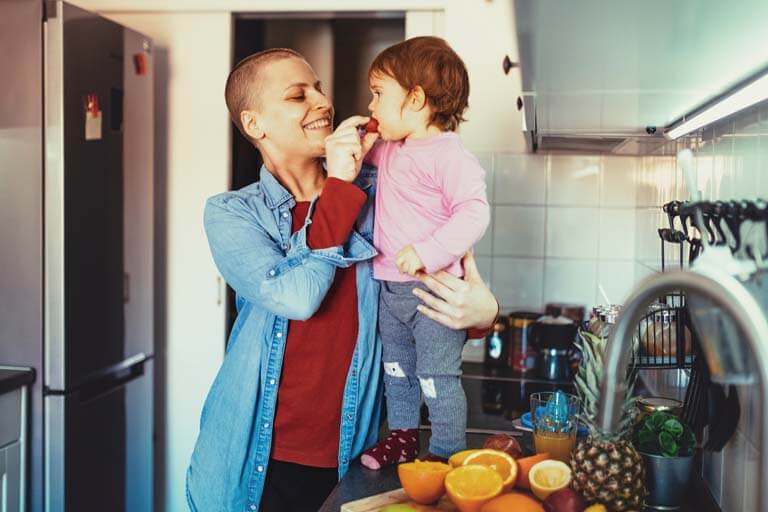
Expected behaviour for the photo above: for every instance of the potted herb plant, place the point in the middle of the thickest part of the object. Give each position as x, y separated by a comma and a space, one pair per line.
667, 445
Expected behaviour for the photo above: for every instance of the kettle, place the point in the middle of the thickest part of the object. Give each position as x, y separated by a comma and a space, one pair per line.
555, 336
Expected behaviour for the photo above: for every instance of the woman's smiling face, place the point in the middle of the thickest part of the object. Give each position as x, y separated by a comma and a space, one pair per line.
293, 112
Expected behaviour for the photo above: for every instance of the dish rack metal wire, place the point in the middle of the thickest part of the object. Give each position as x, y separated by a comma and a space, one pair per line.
666, 338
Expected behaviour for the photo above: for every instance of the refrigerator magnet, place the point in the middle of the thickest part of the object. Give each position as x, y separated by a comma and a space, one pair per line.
140, 63
92, 113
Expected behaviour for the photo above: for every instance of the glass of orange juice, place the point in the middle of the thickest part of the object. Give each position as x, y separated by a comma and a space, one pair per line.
554, 419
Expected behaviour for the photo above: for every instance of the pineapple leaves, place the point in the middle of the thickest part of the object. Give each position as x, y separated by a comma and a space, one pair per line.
588, 380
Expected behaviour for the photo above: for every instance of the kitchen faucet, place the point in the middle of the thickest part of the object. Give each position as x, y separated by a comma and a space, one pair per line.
727, 293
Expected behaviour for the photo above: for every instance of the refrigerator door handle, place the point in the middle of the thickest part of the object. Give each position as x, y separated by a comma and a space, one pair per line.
110, 381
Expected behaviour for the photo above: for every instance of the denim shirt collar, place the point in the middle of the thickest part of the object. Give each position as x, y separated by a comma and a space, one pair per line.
274, 192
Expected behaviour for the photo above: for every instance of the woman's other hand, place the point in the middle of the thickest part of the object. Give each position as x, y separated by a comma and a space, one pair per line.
458, 303
345, 149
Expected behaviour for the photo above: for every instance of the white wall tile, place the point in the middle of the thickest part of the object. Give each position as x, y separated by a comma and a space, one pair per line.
518, 231
486, 162
734, 455
642, 271
617, 279
617, 234
484, 266
571, 281
520, 179
647, 242
723, 170
645, 185
762, 186
484, 247
617, 181
572, 232
751, 484
517, 282
573, 180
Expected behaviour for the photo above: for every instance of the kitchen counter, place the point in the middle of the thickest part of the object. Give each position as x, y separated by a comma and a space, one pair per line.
12, 378
360, 482
495, 396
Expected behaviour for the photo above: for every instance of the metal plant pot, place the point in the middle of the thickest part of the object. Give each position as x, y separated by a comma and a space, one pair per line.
667, 480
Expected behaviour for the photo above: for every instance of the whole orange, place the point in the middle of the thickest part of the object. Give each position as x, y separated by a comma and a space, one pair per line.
423, 482
516, 501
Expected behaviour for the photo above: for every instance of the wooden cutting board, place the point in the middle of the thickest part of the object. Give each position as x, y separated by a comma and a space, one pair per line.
396, 497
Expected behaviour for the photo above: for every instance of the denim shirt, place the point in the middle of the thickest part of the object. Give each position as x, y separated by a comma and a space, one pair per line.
277, 278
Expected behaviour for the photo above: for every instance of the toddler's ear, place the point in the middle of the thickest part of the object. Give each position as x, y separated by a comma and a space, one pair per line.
251, 124
417, 100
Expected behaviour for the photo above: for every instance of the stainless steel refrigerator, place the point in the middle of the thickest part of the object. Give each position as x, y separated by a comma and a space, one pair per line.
76, 251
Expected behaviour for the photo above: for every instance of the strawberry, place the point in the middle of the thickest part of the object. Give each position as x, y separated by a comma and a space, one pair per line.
372, 126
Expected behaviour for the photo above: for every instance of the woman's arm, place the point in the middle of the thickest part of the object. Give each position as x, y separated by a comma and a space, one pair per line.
291, 284
459, 303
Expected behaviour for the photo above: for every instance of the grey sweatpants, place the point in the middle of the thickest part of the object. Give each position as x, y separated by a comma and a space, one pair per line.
421, 356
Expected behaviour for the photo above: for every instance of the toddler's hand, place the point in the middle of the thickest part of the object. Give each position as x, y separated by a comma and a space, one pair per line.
408, 261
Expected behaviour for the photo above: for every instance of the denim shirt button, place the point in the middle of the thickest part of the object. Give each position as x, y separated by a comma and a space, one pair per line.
260, 469
271, 382
285, 215
345, 461
266, 425
272, 272
253, 507
349, 416
279, 335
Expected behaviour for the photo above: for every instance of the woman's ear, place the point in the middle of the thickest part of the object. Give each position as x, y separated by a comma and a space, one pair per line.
251, 124
417, 100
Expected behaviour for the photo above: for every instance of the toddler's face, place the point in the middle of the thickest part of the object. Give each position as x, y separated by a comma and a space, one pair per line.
388, 107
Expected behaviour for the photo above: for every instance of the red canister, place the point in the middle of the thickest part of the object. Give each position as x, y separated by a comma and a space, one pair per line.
522, 352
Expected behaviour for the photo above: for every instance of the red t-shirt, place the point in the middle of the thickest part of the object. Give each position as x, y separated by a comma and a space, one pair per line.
318, 351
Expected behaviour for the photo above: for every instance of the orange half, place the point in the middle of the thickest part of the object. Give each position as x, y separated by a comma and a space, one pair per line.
423, 482
499, 461
470, 487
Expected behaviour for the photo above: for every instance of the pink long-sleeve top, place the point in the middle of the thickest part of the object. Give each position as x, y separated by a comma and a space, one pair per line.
430, 194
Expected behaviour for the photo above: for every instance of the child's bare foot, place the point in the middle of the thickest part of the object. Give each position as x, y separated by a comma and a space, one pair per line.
399, 446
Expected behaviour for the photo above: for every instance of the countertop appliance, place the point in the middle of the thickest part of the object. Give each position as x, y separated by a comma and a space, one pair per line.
76, 199
555, 336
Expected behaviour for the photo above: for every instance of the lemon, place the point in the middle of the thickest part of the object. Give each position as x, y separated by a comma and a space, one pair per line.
549, 476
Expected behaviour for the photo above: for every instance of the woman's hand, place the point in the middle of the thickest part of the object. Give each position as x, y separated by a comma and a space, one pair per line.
345, 149
458, 303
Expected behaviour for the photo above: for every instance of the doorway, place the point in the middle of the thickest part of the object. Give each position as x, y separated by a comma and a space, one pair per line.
339, 46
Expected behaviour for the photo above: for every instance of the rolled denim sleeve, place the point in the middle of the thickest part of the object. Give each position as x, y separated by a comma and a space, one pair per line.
290, 284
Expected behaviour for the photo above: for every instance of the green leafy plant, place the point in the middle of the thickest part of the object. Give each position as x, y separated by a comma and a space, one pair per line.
664, 434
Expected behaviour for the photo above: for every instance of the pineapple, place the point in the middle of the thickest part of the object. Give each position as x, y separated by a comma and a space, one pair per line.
606, 467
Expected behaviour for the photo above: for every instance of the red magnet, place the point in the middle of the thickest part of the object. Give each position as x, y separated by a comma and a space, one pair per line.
140, 63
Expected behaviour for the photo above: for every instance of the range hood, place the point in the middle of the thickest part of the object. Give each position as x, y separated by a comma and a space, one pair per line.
607, 76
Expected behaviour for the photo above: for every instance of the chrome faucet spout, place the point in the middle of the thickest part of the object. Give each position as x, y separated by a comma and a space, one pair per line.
727, 293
